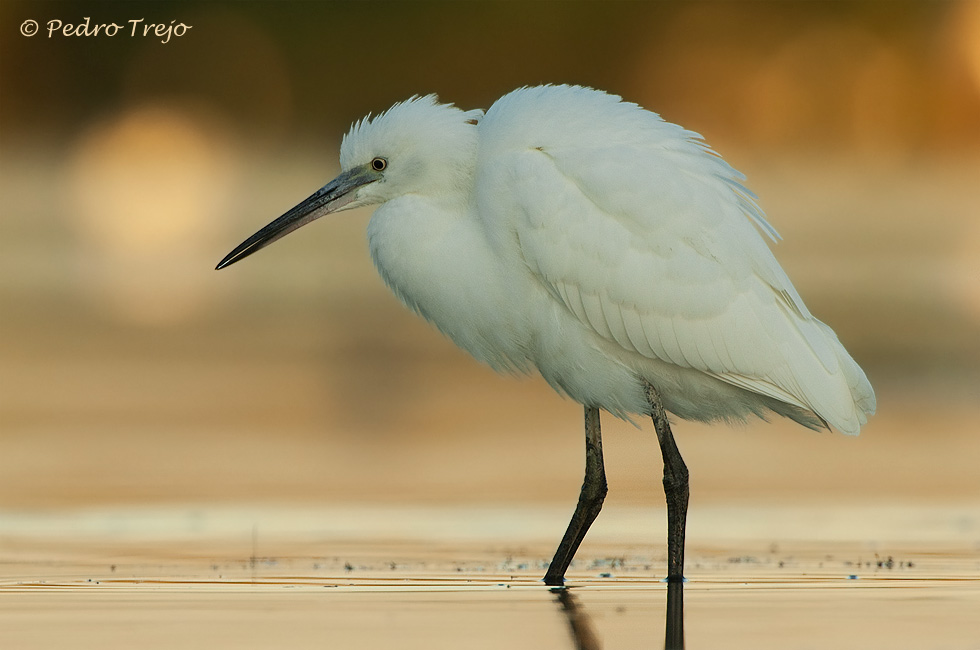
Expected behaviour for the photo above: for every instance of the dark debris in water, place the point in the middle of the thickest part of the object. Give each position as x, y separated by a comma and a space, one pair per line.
881, 562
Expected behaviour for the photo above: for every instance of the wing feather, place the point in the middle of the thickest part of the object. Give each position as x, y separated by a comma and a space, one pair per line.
594, 314
635, 332
650, 240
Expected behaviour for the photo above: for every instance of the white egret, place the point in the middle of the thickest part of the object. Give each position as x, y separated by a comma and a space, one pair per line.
570, 232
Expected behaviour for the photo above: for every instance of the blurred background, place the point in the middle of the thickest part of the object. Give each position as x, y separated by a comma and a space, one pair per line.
131, 372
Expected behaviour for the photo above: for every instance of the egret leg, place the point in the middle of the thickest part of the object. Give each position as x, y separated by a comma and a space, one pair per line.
675, 487
589, 501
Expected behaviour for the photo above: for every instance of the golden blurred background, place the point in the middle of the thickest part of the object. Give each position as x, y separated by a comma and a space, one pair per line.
130, 371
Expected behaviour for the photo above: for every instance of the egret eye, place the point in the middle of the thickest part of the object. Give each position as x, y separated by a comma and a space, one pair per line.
379, 164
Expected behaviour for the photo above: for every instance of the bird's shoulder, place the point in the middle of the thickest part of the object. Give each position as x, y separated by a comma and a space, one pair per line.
628, 161
553, 116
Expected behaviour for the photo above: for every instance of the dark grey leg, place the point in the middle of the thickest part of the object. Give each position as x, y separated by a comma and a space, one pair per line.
675, 488
589, 501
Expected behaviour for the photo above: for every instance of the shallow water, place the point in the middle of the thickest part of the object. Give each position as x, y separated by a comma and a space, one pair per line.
225, 576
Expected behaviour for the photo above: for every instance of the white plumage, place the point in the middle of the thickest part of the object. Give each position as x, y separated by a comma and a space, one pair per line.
573, 233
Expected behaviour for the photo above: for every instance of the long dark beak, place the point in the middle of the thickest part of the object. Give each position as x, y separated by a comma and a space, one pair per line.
332, 197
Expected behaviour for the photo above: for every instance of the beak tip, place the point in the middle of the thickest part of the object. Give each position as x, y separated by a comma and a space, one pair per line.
235, 256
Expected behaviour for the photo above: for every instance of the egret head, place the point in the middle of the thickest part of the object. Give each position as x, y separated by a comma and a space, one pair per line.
416, 147
425, 147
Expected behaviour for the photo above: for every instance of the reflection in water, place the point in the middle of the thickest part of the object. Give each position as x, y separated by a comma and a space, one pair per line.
585, 638
674, 636
578, 620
